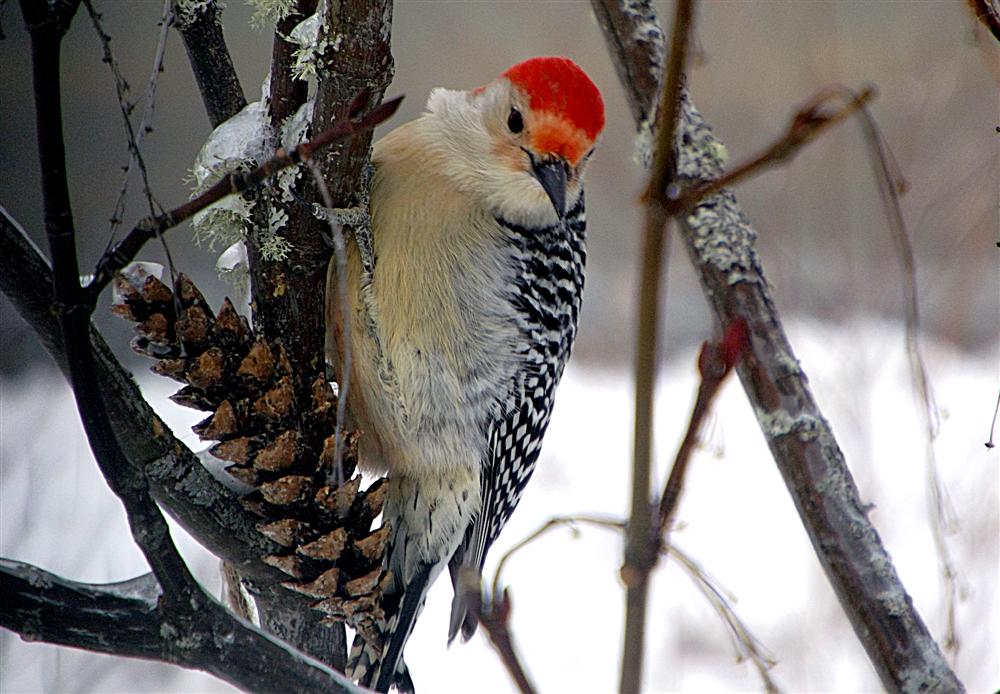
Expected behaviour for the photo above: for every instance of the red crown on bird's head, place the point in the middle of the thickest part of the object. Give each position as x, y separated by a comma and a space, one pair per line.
558, 86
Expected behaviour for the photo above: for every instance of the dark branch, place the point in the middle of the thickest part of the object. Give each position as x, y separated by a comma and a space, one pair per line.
192, 623
987, 12
232, 184
211, 63
719, 240
287, 94
149, 528
202, 505
125, 619
117, 619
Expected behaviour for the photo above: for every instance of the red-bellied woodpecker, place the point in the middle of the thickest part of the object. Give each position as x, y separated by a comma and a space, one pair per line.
461, 321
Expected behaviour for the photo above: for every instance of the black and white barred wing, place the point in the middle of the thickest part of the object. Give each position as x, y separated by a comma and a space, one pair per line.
548, 300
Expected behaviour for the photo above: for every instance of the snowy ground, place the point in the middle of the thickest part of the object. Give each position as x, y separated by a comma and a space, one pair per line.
739, 523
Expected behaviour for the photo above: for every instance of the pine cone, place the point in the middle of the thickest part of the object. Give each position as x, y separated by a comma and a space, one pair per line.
284, 449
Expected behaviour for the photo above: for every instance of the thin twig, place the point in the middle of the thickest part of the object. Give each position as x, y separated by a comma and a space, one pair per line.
233, 183
715, 362
993, 423
344, 368
720, 242
122, 89
805, 126
640, 550
890, 185
551, 524
135, 139
494, 616
166, 21
747, 645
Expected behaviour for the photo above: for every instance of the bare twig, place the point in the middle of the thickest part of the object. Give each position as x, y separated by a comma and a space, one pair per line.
343, 368
494, 617
719, 240
551, 524
166, 21
715, 362
201, 30
233, 183
806, 125
993, 423
747, 645
891, 185
134, 139
640, 549
122, 89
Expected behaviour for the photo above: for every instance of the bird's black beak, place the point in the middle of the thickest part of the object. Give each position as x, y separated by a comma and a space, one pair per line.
552, 173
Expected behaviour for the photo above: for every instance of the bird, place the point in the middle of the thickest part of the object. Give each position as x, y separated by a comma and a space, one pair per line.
459, 321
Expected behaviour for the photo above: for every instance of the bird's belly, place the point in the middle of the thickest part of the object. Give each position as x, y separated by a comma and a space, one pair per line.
429, 401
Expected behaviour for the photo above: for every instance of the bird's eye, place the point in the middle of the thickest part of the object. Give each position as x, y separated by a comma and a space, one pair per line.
515, 122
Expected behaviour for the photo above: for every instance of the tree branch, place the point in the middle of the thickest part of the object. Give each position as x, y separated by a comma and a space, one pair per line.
232, 183
201, 29
642, 540
125, 619
494, 616
288, 295
287, 94
203, 506
190, 618
720, 240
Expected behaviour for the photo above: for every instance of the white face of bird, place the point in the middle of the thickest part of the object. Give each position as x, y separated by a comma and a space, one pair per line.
523, 141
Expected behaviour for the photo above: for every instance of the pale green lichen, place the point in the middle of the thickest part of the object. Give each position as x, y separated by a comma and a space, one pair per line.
782, 423
285, 181
275, 248
270, 11
306, 36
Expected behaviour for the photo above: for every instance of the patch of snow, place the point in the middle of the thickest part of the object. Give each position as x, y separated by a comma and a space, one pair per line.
736, 518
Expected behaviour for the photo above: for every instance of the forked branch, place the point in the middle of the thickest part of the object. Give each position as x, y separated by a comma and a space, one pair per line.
720, 242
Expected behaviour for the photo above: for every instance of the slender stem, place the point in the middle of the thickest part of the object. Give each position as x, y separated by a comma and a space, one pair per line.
857, 565
805, 126
233, 183
640, 550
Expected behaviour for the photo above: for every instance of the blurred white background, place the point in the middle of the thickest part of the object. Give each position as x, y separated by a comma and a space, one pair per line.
826, 250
